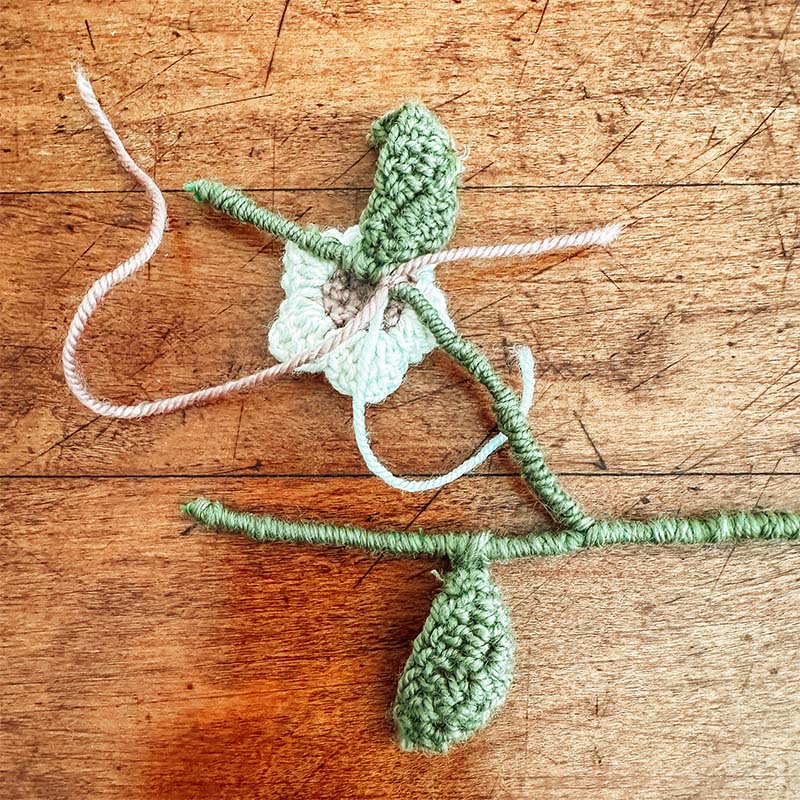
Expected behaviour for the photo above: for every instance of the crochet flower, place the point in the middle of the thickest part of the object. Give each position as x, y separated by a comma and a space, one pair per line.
329, 277
321, 297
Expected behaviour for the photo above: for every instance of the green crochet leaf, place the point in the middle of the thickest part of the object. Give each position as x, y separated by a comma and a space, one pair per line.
460, 666
413, 208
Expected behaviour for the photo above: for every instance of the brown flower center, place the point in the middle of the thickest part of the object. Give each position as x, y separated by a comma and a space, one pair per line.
344, 295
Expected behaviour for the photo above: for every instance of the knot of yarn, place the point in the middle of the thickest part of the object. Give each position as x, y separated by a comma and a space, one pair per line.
470, 551
413, 207
461, 664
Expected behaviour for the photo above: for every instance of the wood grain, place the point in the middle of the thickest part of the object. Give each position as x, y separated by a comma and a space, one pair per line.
138, 663
574, 92
149, 664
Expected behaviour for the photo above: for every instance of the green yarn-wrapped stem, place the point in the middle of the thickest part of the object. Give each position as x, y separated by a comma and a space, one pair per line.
510, 420
715, 529
243, 209
265, 528
581, 530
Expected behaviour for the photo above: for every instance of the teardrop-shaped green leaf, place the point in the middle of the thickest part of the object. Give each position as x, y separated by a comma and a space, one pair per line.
413, 207
460, 666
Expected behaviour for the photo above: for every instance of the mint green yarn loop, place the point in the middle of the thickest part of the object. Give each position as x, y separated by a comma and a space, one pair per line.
510, 419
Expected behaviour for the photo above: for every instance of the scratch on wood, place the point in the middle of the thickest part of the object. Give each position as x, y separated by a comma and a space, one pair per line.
659, 372
452, 100
72, 265
725, 564
89, 31
483, 308
369, 569
432, 393
768, 481
708, 41
739, 435
153, 77
478, 172
612, 281
601, 462
541, 19
59, 443
275, 44
354, 164
238, 429
770, 387
522, 14
612, 150
424, 508
736, 149
204, 108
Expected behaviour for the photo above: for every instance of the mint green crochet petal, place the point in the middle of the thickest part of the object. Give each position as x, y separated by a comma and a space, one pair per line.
461, 664
305, 272
410, 328
301, 324
413, 207
387, 371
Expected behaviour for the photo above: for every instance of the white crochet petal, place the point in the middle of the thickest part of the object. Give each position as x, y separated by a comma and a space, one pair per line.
350, 236
305, 272
413, 337
387, 370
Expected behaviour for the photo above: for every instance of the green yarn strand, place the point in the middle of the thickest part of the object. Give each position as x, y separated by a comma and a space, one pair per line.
714, 529
265, 528
510, 420
243, 209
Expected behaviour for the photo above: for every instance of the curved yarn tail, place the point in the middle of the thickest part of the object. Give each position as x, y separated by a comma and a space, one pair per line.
103, 285
371, 460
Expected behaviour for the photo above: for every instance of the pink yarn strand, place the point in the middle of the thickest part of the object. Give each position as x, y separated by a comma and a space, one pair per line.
103, 285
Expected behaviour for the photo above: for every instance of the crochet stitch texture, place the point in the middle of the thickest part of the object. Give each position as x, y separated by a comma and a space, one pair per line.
414, 205
460, 666
462, 662
307, 316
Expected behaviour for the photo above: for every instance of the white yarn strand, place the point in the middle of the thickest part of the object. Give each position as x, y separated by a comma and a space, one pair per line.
371, 460
369, 313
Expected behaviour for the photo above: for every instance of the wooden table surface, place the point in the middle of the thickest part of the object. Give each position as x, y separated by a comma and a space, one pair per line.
139, 663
